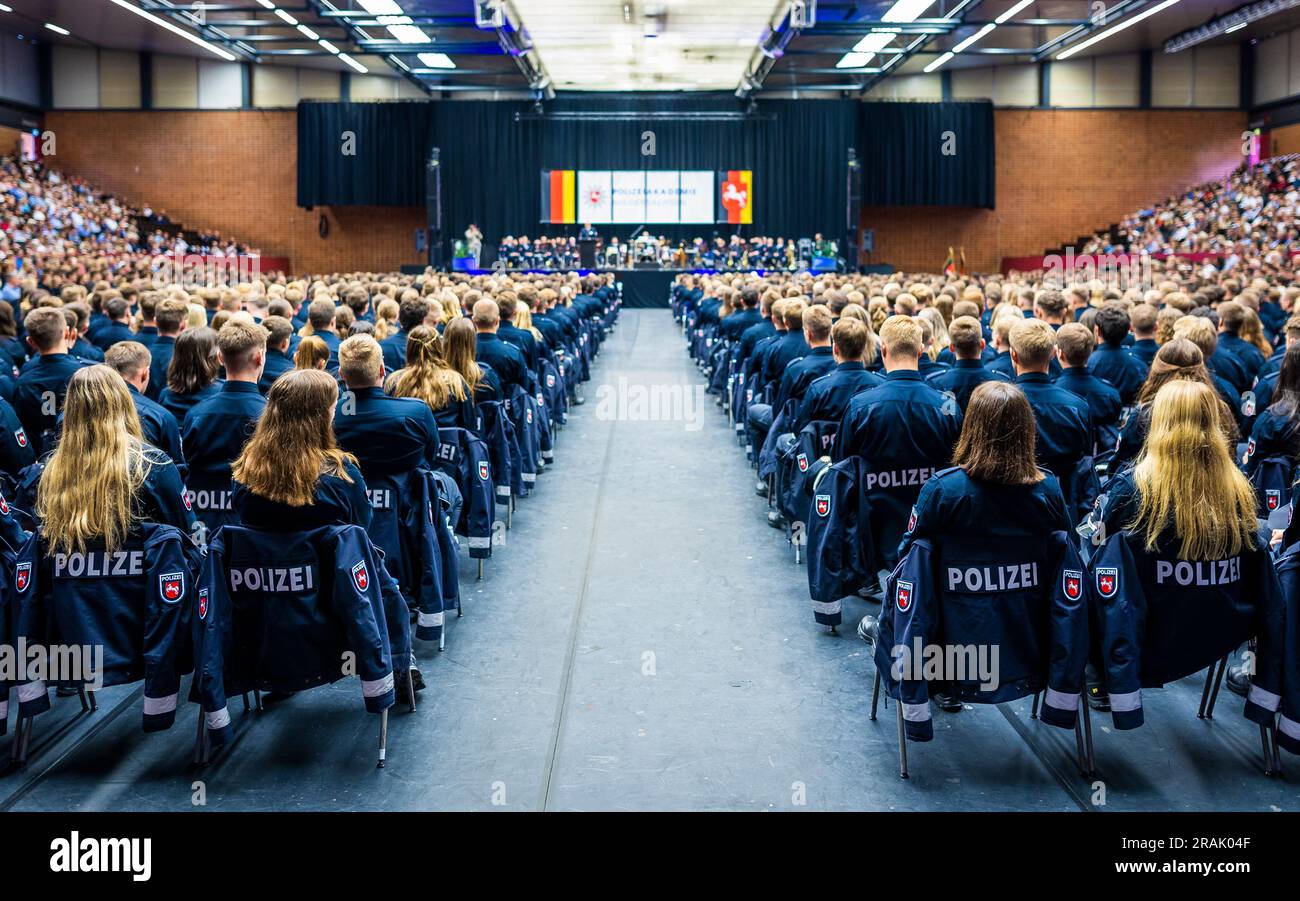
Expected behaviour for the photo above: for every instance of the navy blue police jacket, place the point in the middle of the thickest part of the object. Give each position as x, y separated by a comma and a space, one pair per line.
735, 325
1252, 359
134, 602
788, 348
216, 429
1274, 696
801, 373
841, 550
338, 501
1121, 368
279, 616
1230, 367
1104, 404
112, 333
386, 434
158, 425
828, 397
179, 405
752, 335
277, 364
1161, 618
1025, 596
524, 341
506, 360
1274, 435
16, 450
45, 378
394, 348
1145, 349
963, 377
1063, 421
905, 432
160, 350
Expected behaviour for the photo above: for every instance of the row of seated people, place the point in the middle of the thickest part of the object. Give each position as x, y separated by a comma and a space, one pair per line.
379, 465
855, 431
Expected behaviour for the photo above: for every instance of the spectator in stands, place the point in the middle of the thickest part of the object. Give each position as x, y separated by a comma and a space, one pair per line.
40, 389
1113, 361
291, 475
313, 353
430, 378
158, 426
103, 480
192, 375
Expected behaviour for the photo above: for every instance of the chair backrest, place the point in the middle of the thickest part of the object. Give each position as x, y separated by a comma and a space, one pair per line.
1272, 478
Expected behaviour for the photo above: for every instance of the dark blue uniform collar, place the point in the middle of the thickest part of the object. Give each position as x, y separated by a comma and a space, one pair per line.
819, 351
910, 375
240, 387
372, 391
967, 364
488, 336
1041, 378
852, 366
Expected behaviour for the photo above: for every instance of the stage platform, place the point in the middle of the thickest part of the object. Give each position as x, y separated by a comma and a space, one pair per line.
642, 288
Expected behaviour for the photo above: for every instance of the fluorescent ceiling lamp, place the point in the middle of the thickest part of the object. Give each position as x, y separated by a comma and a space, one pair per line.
1012, 11
854, 60
939, 62
1237, 27
1101, 36
176, 30
57, 30
328, 46
382, 7
311, 35
906, 10
6, 9
974, 37
437, 60
353, 63
409, 34
874, 42
288, 19
267, 3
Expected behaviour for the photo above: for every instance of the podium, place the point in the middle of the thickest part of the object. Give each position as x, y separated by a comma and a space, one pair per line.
587, 253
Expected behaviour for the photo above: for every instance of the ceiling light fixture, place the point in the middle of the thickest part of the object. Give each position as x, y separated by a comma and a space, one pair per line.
934, 64
1115, 29
176, 30
57, 30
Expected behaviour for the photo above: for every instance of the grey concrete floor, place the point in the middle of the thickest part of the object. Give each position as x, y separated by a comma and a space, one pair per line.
642, 640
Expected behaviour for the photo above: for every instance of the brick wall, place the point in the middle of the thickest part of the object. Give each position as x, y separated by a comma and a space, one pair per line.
1060, 174
233, 171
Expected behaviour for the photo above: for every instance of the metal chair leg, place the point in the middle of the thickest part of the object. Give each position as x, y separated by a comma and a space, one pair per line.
15, 749
247, 706
81, 696
383, 738
902, 743
257, 698
875, 695
480, 569
201, 741
92, 701
410, 685
1266, 745
1218, 682
1205, 692
1088, 765
1033, 710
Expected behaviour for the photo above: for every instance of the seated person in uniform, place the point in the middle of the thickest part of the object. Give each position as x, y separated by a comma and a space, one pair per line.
428, 376
158, 426
1185, 495
967, 371
192, 373
312, 353
291, 475
1074, 344
279, 334
828, 397
103, 479
994, 490
459, 342
506, 360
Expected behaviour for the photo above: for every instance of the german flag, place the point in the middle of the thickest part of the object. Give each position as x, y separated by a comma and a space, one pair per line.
559, 198
950, 264
736, 190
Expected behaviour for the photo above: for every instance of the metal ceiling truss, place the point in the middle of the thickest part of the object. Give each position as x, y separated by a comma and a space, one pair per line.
957, 17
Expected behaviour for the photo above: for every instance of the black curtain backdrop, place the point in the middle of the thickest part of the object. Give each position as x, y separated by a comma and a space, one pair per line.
494, 152
926, 154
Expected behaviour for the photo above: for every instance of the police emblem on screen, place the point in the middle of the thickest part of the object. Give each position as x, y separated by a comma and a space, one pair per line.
1072, 583
171, 586
823, 504
903, 595
361, 576
1107, 581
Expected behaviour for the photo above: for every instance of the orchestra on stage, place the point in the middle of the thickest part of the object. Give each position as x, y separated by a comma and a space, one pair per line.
647, 251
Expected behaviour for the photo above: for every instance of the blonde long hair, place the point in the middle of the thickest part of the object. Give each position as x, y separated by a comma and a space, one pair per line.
459, 342
293, 445
1187, 480
90, 483
427, 376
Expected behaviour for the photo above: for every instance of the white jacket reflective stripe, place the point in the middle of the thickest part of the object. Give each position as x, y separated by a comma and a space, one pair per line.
377, 687
155, 706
